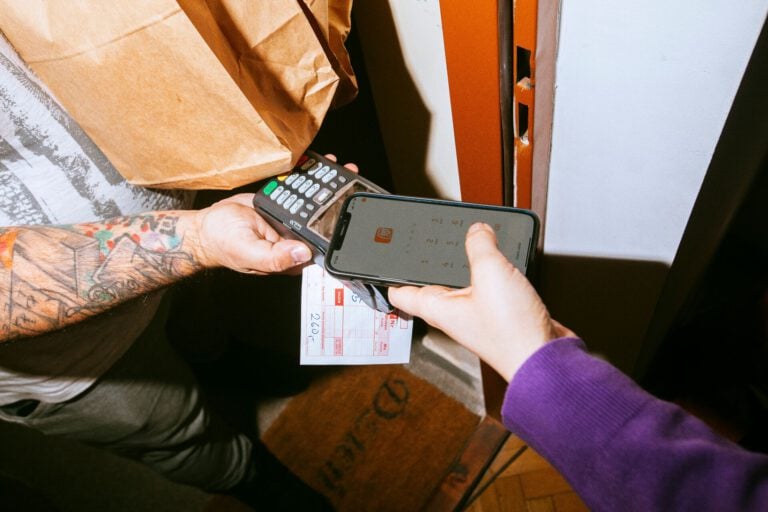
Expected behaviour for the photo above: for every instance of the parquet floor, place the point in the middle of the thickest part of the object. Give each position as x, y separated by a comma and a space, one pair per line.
528, 484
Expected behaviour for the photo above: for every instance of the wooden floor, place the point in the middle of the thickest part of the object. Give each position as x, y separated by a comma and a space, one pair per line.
528, 484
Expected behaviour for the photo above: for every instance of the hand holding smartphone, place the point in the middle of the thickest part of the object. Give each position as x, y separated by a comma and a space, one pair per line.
397, 240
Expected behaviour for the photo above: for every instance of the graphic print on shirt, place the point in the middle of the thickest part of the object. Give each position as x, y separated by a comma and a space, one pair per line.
50, 170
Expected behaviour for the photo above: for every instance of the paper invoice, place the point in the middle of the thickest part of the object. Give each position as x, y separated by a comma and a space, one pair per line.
337, 327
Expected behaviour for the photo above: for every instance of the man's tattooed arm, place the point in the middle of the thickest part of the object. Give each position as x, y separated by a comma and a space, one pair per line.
54, 276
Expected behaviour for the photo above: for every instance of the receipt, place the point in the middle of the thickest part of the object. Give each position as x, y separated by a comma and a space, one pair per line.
337, 327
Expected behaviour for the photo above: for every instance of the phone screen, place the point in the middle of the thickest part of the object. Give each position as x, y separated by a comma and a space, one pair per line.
394, 239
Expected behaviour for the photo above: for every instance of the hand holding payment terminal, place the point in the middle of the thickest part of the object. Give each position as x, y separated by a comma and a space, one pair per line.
305, 204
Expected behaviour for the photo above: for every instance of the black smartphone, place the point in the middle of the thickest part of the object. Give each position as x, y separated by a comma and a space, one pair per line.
394, 240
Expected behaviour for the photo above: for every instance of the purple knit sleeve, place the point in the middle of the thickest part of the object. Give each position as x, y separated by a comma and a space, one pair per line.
621, 448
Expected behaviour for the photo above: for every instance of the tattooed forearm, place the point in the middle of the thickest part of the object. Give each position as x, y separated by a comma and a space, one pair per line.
51, 277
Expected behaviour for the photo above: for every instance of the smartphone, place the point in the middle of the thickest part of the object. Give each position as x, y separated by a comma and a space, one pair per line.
395, 240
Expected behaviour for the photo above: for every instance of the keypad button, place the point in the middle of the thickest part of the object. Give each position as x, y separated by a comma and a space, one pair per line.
333, 185
282, 197
312, 170
331, 174
288, 202
296, 184
342, 179
270, 187
298, 204
305, 186
310, 206
322, 196
312, 190
321, 172
290, 179
303, 214
309, 163
276, 193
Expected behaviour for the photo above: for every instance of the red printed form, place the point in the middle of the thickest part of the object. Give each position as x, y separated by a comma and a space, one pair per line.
337, 327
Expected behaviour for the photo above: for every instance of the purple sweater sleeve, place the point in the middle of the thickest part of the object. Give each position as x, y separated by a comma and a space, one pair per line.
621, 448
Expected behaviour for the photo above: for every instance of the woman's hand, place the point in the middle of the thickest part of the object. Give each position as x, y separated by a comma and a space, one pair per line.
499, 317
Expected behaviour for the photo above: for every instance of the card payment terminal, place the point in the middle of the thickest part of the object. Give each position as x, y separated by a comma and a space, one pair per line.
305, 204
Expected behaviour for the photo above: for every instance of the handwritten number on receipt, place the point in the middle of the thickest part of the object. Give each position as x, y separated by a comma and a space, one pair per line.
314, 325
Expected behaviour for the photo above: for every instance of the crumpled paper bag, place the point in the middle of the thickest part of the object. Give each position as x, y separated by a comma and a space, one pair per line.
195, 93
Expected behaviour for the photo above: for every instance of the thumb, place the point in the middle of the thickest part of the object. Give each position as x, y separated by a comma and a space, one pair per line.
287, 254
484, 257
268, 257
404, 298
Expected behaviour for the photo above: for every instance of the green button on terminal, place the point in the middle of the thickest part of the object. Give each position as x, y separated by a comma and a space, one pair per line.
271, 186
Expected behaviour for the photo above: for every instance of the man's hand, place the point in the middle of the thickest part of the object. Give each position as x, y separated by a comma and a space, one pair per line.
231, 234
499, 317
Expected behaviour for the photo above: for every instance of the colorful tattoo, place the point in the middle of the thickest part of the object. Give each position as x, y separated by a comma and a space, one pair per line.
7, 239
152, 232
55, 276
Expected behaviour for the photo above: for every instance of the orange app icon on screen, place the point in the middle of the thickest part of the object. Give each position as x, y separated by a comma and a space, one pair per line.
383, 235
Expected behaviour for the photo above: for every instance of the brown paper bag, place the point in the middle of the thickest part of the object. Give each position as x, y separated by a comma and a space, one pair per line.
194, 93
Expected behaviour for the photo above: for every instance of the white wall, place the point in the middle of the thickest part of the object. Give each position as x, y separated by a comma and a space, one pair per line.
642, 91
405, 58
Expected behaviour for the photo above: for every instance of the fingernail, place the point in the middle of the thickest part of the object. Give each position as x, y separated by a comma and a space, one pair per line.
300, 254
477, 226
